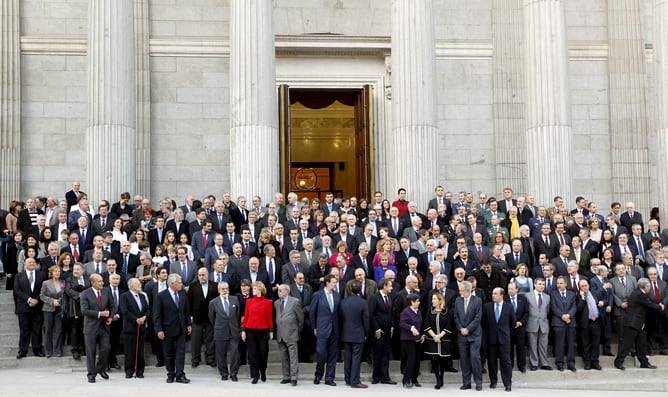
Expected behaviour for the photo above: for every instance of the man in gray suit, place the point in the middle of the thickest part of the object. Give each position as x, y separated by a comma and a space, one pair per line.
289, 324
468, 313
622, 287
98, 309
538, 326
224, 314
183, 267
97, 265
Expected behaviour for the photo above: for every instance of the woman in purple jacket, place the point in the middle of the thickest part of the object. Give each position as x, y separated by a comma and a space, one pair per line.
410, 324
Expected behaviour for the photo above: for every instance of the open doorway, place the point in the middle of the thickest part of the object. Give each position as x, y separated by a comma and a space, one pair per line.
326, 141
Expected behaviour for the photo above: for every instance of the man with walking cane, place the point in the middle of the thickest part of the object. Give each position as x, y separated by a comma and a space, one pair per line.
134, 312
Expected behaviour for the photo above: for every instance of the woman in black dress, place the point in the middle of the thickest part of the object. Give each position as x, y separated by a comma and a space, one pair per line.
438, 327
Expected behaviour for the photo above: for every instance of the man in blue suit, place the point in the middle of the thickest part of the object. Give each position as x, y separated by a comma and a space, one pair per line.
354, 314
325, 322
498, 321
171, 321
468, 313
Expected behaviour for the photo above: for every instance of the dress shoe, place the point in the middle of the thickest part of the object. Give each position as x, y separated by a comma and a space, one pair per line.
254, 380
183, 380
388, 382
263, 377
49, 355
417, 384
76, 355
212, 364
492, 385
546, 368
596, 367
523, 370
560, 367
194, 365
648, 366
223, 377
39, 353
587, 367
104, 374
293, 382
170, 380
91, 379
160, 364
408, 385
359, 386
609, 354
140, 376
478, 387
128, 376
21, 355
330, 383
533, 368
620, 367
316, 381
572, 368
508, 388
451, 369
285, 381
375, 381
115, 366
233, 378
465, 387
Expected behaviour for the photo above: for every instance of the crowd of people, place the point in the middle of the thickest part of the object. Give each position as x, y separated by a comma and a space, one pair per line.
345, 279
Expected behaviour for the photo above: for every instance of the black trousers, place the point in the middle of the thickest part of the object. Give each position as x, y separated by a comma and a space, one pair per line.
633, 337
411, 353
30, 331
590, 337
174, 348
499, 354
381, 357
518, 347
129, 346
258, 351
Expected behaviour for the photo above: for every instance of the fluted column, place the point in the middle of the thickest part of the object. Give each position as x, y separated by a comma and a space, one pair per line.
10, 102
142, 58
628, 104
254, 149
660, 46
508, 83
548, 103
112, 93
412, 142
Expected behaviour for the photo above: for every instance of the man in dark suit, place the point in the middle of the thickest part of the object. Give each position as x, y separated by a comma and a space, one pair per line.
103, 221
200, 292
289, 324
301, 290
97, 306
546, 242
201, 240
27, 288
563, 323
178, 224
230, 236
157, 235
590, 312
127, 262
639, 304
518, 332
134, 312
171, 321
468, 314
255, 273
225, 316
498, 320
380, 314
631, 217
72, 196
354, 314
318, 271
516, 256
507, 202
325, 322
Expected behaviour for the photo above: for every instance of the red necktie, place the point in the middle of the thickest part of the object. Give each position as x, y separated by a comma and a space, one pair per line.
657, 297
99, 299
204, 239
75, 254
246, 248
561, 238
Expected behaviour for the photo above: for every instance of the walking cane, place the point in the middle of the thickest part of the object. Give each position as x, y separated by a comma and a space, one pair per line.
137, 350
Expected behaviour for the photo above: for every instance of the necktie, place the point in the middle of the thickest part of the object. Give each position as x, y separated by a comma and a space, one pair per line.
514, 302
125, 263
75, 253
31, 278
104, 222
549, 284
431, 257
480, 253
184, 272
330, 300
282, 305
563, 297
540, 300
296, 269
591, 305
138, 302
497, 312
547, 240
83, 235
366, 269
308, 258
204, 239
625, 250
466, 304
246, 248
623, 283
226, 306
81, 282
561, 239
271, 271
220, 277
176, 298
387, 302
641, 249
116, 297
657, 296
97, 268
575, 284
220, 250
54, 260
99, 300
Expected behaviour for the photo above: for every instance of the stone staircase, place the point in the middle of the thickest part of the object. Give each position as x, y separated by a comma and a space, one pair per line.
633, 379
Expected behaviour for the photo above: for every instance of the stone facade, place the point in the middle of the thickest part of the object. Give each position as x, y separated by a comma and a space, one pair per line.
188, 109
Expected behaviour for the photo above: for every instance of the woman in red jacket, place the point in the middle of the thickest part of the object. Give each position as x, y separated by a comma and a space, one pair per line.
256, 330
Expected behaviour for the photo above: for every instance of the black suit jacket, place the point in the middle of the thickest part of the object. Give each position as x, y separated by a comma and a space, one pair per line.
182, 228
380, 313
22, 292
168, 318
498, 333
198, 304
639, 304
522, 311
133, 263
130, 312
628, 221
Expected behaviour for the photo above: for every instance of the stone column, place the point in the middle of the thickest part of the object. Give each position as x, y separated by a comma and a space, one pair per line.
412, 142
143, 70
548, 103
628, 105
112, 93
509, 108
10, 102
254, 148
660, 45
